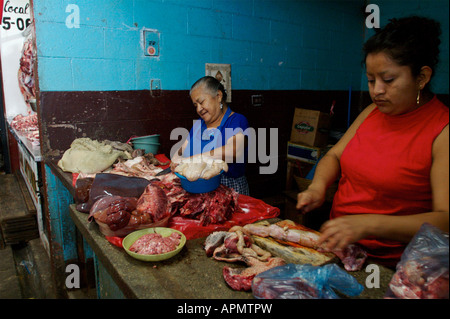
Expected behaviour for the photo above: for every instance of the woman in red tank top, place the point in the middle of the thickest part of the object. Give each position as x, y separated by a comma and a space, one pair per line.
393, 161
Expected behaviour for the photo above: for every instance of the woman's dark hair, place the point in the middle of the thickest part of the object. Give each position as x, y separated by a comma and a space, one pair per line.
212, 85
411, 41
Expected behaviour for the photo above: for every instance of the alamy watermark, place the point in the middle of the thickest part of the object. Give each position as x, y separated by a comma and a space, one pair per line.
73, 19
262, 148
373, 19
73, 277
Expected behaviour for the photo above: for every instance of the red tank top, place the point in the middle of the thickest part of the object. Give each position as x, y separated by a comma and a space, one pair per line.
385, 169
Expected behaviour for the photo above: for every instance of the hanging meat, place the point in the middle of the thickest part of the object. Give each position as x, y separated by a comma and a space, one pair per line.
26, 72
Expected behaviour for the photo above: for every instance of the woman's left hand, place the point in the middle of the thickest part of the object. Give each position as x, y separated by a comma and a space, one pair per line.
340, 232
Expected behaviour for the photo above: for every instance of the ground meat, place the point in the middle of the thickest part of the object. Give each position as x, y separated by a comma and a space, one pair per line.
154, 244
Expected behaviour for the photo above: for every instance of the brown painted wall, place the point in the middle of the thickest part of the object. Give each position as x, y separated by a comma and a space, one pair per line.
117, 115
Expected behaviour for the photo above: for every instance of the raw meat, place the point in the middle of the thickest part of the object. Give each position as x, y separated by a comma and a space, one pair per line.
235, 246
119, 213
293, 253
154, 202
353, 256
214, 207
25, 123
141, 166
204, 169
114, 211
26, 71
213, 241
105, 184
154, 244
27, 126
412, 281
113, 226
241, 278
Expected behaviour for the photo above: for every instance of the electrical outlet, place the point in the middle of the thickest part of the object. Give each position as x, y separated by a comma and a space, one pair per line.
257, 100
151, 42
155, 87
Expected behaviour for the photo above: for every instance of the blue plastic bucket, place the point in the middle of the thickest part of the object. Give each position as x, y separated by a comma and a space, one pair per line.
147, 147
200, 185
147, 139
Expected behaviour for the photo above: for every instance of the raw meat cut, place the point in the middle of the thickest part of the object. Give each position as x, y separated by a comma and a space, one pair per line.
235, 246
205, 169
25, 123
288, 232
119, 212
411, 281
154, 202
214, 207
27, 126
154, 244
105, 184
140, 166
26, 71
241, 278
213, 241
293, 253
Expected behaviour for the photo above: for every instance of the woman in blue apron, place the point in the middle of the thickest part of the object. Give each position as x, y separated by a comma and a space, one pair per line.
218, 134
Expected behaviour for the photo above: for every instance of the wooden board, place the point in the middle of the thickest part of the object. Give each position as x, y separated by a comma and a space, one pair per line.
17, 217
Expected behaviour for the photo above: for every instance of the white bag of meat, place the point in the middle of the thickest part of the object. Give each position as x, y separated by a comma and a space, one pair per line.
422, 272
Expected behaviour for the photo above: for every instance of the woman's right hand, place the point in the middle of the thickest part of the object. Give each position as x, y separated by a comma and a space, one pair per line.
310, 199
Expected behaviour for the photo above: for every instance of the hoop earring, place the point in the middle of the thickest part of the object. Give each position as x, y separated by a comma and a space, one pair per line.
418, 97
221, 106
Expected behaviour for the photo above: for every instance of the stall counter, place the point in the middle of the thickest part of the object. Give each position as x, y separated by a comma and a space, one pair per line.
188, 275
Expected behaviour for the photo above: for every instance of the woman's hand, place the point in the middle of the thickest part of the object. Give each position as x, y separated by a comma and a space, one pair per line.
310, 199
340, 232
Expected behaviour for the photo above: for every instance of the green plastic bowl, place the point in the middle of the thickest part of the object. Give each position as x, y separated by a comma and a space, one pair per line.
147, 147
165, 232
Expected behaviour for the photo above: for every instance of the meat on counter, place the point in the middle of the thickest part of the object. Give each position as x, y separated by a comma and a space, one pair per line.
155, 244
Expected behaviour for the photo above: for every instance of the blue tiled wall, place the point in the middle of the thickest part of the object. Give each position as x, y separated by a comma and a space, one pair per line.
270, 44
435, 9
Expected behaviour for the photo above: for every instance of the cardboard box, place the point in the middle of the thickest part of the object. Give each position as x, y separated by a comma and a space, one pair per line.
310, 127
308, 154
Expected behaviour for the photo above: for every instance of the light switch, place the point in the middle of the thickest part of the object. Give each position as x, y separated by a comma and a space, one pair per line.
257, 100
155, 87
151, 42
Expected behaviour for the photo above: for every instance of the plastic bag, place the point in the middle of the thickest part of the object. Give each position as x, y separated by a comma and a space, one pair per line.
422, 272
294, 281
105, 184
250, 210
106, 209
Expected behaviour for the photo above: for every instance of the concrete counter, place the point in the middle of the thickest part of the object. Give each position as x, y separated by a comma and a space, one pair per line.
188, 275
